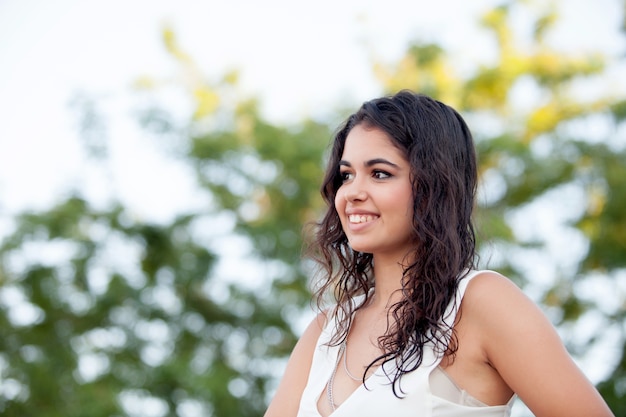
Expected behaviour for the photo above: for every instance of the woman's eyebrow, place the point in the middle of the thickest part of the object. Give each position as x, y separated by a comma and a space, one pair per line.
377, 161
370, 163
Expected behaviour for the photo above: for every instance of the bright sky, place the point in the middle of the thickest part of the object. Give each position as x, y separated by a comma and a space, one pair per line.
299, 57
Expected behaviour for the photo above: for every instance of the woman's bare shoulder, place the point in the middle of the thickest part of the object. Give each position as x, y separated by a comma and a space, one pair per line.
287, 397
523, 346
490, 291
497, 306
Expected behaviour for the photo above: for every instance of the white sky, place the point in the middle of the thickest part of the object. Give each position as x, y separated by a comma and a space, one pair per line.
299, 57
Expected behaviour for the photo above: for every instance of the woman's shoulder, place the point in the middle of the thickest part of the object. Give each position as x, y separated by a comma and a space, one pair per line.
492, 299
488, 285
521, 344
302, 354
313, 331
287, 398
504, 321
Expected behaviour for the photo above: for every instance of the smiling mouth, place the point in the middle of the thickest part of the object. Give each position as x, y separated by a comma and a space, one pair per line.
361, 218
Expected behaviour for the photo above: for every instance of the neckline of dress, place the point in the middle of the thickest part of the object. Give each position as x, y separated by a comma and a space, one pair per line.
336, 357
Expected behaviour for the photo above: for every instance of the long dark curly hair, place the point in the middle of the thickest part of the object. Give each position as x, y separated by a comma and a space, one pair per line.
439, 147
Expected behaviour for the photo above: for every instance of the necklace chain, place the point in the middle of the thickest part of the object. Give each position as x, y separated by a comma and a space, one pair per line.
345, 363
343, 351
331, 381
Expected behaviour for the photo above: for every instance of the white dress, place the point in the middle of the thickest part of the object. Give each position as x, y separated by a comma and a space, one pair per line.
376, 398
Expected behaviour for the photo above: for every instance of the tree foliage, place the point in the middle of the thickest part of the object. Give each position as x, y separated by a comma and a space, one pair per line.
106, 314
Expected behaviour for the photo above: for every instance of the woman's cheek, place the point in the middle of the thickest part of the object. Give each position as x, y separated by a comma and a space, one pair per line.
339, 202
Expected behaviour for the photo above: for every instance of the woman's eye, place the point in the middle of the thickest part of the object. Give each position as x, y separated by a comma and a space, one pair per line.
381, 175
345, 176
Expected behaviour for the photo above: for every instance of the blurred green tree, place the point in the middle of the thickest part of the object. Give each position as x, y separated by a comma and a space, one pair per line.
105, 314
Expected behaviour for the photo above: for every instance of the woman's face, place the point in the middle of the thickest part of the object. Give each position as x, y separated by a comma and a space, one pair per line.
375, 199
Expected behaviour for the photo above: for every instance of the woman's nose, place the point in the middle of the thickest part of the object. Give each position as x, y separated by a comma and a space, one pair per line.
355, 191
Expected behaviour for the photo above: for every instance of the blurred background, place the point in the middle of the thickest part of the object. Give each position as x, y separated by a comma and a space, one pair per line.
159, 160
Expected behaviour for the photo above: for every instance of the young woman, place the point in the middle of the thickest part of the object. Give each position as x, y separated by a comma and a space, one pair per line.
416, 330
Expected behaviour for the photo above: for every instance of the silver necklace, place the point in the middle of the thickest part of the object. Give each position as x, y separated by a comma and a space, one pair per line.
345, 363
343, 351
331, 380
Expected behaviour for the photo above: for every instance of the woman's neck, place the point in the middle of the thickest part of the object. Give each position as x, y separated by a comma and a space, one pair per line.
387, 281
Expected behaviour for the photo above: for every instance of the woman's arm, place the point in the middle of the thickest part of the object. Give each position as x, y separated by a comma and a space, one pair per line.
523, 346
287, 398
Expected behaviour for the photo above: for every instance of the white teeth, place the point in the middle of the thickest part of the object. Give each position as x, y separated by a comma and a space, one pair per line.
360, 218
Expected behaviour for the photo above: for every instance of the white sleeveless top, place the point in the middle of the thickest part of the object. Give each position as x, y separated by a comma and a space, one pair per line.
376, 398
